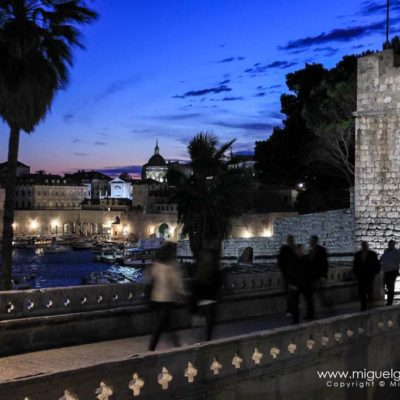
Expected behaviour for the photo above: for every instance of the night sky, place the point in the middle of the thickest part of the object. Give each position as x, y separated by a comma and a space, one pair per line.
168, 69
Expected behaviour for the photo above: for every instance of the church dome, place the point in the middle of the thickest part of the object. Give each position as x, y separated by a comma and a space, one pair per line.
156, 168
156, 160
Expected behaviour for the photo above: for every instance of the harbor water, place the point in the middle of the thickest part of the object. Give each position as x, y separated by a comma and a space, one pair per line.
64, 269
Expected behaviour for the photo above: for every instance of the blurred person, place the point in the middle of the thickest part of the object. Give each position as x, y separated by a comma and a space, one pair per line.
205, 288
301, 280
318, 257
365, 266
165, 281
287, 260
390, 261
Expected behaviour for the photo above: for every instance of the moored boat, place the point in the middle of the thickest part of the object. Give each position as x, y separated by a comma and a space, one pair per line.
82, 245
56, 248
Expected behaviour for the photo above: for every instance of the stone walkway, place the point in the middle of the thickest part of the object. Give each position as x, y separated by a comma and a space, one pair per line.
66, 358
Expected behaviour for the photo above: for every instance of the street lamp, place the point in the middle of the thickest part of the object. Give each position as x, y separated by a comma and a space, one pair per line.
54, 225
34, 225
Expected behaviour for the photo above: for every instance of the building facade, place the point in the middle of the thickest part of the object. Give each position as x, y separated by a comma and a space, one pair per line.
41, 191
2, 198
96, 182
120, 189
22, 169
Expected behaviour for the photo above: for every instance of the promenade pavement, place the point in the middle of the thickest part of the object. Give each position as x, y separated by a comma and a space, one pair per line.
73, 357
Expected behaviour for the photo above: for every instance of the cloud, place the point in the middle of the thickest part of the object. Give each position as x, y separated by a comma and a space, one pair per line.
374, 7
225, 82
260, 94
118, 170
274, 115
258, 68
81, 154
202, 92
68, 117
115, 87
76, 140
274, 86
327, 51
244, 149
104, 134
231, 59
179, 117
335, 35
97, 143
232, 98
255, 126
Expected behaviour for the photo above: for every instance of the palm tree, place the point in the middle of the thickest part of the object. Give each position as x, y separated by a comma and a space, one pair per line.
36, 40
211, 196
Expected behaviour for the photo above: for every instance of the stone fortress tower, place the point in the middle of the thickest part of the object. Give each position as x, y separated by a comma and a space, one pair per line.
377, 176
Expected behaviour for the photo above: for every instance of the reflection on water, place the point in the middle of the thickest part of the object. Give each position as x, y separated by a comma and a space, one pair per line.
64, 269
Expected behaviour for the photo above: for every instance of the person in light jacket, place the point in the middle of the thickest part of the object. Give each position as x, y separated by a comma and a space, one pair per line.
390, 261
167, 289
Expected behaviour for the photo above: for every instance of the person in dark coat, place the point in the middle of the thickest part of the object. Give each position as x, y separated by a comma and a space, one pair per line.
206, 287
301, 280
287, 261
365, 266
318, 257
390, 262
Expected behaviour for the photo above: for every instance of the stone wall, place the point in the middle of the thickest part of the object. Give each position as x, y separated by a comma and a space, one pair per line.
47, 318
334, 228
281, 363
377, 195
140, 224
76, 299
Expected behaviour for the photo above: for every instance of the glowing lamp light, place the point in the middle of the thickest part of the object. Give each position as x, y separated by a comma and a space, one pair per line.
14, 225
55, 223
34, 225
267, 232
246, 233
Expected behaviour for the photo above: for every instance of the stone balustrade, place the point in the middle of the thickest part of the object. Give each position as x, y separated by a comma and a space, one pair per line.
68, 300
78, 299
272, 280
243, 367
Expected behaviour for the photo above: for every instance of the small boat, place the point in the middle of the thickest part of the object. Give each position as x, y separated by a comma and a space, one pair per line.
111, 258
22, 282
136, 263
40, 242
137, 257
56, 248
82, 245
98, 278
20, 243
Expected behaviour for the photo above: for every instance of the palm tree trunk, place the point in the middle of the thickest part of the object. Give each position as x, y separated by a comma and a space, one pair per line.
9, 206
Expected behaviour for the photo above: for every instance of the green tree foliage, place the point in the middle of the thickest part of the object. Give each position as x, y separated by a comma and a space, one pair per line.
394, 44
280, 157
36, 41
315, 145
328, 114
211, 196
